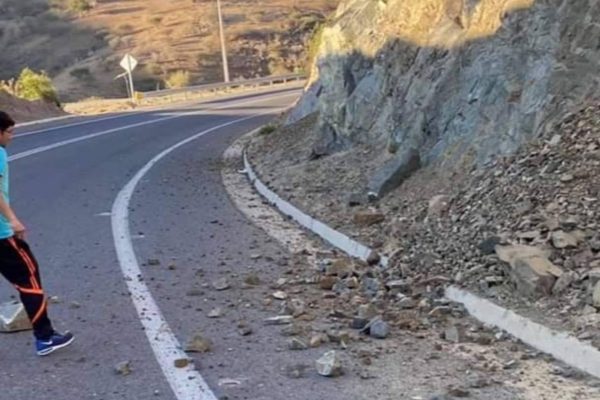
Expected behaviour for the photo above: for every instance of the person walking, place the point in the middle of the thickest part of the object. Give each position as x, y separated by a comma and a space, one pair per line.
17, 263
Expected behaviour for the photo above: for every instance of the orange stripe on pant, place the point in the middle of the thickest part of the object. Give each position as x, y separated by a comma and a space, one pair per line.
31, 291
40, 311
28, 262
33, 280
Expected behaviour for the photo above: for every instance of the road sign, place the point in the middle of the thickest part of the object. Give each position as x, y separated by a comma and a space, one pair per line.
128, 63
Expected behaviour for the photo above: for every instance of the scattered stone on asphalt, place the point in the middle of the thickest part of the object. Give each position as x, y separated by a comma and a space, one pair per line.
123, 368
367, 311
329, 364
279, 320
317, 340
198, 344
215, 313
280, 295
292, 330
181, 362
228, 382
297, 344
153, 262
244, 329
295, 307
378, 328
13, 317
252, 279
74, 305
338, 336
221, 284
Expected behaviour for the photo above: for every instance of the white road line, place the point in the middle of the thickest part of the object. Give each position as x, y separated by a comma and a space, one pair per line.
187, 383
42, 149
120, 115
86, 122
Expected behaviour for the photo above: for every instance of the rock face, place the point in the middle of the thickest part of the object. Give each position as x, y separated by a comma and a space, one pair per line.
449, 81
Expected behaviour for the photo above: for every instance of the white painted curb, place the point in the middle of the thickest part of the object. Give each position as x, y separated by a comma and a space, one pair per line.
560, 345
336, 238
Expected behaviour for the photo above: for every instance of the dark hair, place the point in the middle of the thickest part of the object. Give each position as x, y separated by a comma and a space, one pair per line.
5, 121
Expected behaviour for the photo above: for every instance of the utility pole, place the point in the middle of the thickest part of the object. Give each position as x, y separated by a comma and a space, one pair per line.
223, 48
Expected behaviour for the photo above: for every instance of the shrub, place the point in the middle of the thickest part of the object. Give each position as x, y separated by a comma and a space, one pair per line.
154, 20
314, 45
80, 5
267, 129
178, 79
33, 85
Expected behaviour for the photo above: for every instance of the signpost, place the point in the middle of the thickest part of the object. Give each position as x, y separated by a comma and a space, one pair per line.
124, 76
223, 47
128, 63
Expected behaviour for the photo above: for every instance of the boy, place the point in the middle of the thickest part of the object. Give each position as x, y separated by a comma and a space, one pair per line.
17, 263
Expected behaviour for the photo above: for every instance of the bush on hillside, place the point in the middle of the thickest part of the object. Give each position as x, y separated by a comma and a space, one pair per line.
314, 45
178, 79
80, 6
33, 85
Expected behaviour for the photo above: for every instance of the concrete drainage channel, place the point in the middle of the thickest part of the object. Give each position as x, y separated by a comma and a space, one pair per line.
560, 345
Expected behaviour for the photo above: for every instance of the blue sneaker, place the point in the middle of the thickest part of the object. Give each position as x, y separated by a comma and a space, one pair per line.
55, 342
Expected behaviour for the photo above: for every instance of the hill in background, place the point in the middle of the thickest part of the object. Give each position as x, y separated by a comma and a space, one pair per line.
81, 50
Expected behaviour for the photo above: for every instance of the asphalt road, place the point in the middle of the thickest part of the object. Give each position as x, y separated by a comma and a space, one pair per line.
66, 179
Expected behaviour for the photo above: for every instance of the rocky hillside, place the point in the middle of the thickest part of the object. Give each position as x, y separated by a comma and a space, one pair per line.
461, 140
263, 37
449, 82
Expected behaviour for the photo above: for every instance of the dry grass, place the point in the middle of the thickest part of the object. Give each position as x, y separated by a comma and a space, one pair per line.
264, 37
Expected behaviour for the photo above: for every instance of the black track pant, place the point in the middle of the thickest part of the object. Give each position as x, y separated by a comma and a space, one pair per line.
18, 265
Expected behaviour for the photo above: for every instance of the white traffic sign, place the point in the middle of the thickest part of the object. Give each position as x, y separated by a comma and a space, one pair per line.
128, 63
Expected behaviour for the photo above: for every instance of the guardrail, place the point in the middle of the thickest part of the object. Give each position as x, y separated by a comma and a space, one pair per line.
269, 80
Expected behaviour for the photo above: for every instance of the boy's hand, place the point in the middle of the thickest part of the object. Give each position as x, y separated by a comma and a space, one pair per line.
19, 229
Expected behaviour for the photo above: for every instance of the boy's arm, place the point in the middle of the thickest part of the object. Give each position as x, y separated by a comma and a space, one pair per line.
9, 214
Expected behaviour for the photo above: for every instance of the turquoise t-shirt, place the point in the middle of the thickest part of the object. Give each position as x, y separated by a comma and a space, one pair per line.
5, 228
